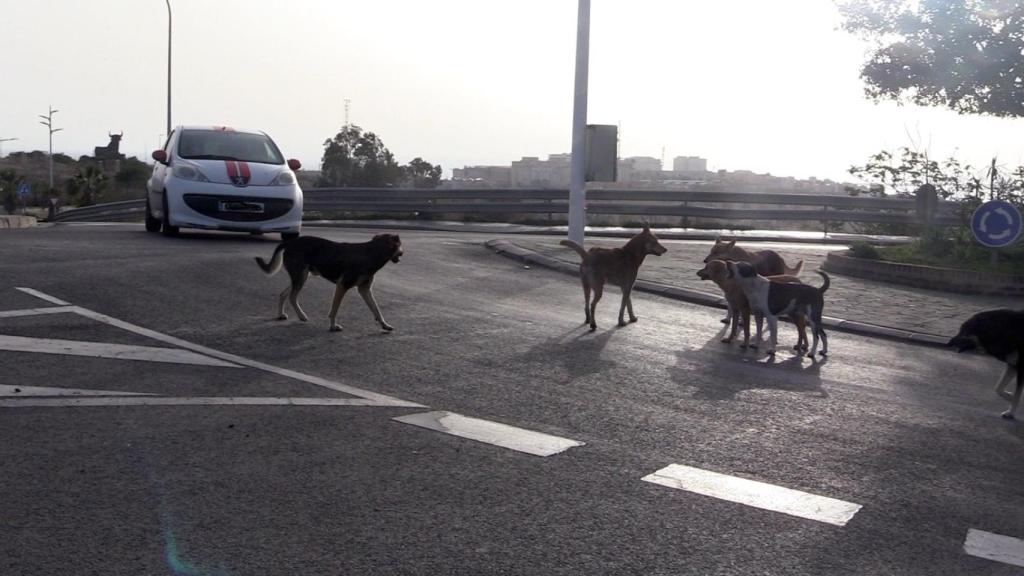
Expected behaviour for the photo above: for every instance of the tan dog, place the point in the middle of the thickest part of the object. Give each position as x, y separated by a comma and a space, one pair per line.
616, 265
766, 262
739, 308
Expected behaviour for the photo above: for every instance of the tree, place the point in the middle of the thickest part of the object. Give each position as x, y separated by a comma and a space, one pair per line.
355, 158
422, 174
9, 181
967, 55
87, 185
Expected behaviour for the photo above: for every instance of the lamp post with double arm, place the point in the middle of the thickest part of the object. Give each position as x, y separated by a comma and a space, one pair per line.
47, 121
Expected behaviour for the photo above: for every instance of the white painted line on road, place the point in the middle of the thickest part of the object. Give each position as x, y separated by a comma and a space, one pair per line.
36, 311
375, 398
103, 350
756, 494
24, 391
41, 296
86, 402
503, 435
1005, 549
380, 399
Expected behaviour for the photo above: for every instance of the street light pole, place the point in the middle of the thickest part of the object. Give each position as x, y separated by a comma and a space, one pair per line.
49, 126
168, 66
577, 184
2, 140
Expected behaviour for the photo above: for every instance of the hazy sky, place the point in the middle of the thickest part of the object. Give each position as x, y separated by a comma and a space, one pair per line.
747, 84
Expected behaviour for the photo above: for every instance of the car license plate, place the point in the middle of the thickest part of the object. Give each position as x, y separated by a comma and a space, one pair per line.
240, 206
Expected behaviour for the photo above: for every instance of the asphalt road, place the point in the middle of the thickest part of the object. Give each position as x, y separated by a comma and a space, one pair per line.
911, 434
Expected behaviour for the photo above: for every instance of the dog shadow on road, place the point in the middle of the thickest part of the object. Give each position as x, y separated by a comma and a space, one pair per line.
722, 371
577, 351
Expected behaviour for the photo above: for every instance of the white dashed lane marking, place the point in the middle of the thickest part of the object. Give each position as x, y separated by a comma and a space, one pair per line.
756, 494
503, 435
1005, 549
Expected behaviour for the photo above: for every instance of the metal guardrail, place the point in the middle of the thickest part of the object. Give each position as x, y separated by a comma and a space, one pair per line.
729, 206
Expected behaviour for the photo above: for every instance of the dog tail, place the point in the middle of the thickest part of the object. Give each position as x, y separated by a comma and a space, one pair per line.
827, 281
795, 270
579, 249
275, 261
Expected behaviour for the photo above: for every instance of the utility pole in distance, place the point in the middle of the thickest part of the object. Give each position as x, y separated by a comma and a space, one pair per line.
2, 140
168, 65
48, 122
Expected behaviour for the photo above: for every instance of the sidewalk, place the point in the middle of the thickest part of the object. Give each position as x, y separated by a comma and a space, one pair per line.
851, 304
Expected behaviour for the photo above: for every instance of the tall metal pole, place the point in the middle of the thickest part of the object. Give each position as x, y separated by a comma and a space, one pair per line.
49, 126
577, 184
168, 66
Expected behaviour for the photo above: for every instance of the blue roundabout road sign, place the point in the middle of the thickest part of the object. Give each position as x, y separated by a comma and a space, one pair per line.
996, 223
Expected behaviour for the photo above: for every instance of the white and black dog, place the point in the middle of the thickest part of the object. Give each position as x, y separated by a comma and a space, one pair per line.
1000, 334
769, 300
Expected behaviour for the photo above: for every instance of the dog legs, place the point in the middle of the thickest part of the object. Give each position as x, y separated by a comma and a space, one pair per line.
598, 291
371, 302
1010, 373
586, 299
627, 303
773, 333
291, 293
1016, 396
339, 293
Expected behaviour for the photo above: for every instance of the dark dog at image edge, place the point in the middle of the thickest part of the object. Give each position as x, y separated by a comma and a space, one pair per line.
616, 265
1000, 334
344, 264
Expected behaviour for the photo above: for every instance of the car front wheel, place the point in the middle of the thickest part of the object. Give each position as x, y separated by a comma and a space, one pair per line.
289, 236
168, 230
152, 224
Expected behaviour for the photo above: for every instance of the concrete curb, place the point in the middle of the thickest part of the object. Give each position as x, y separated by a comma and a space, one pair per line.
20, 221
511, 250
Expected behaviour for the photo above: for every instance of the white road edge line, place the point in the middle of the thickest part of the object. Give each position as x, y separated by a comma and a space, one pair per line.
104, 350
754, 493
42, 296
503, 435
375, 398
86, 402
1005, 549
36, 311
30, 391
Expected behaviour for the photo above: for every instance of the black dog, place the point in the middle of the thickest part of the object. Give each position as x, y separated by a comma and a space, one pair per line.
1000, 334
342, 263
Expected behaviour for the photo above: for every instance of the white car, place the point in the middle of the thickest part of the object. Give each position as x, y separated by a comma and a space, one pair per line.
218, 178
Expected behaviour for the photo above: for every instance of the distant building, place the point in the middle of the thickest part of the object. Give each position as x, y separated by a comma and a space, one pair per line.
689, 164
532, 172
495, 176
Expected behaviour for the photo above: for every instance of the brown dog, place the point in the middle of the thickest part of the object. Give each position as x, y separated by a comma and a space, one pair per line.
766, 262
616, 265
739, 309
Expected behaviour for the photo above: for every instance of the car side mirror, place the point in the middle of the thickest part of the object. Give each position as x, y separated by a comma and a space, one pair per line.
294, 164
160, 156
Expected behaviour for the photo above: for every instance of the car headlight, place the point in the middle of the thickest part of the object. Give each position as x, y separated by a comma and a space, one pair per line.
189, 172
285, 178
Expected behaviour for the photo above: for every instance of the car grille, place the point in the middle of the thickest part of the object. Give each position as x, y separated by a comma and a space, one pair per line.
211, 205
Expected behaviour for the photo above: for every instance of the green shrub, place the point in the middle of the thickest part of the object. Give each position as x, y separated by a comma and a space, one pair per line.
864, 250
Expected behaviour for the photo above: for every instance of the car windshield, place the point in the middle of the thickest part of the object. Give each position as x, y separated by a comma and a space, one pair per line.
228, 145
